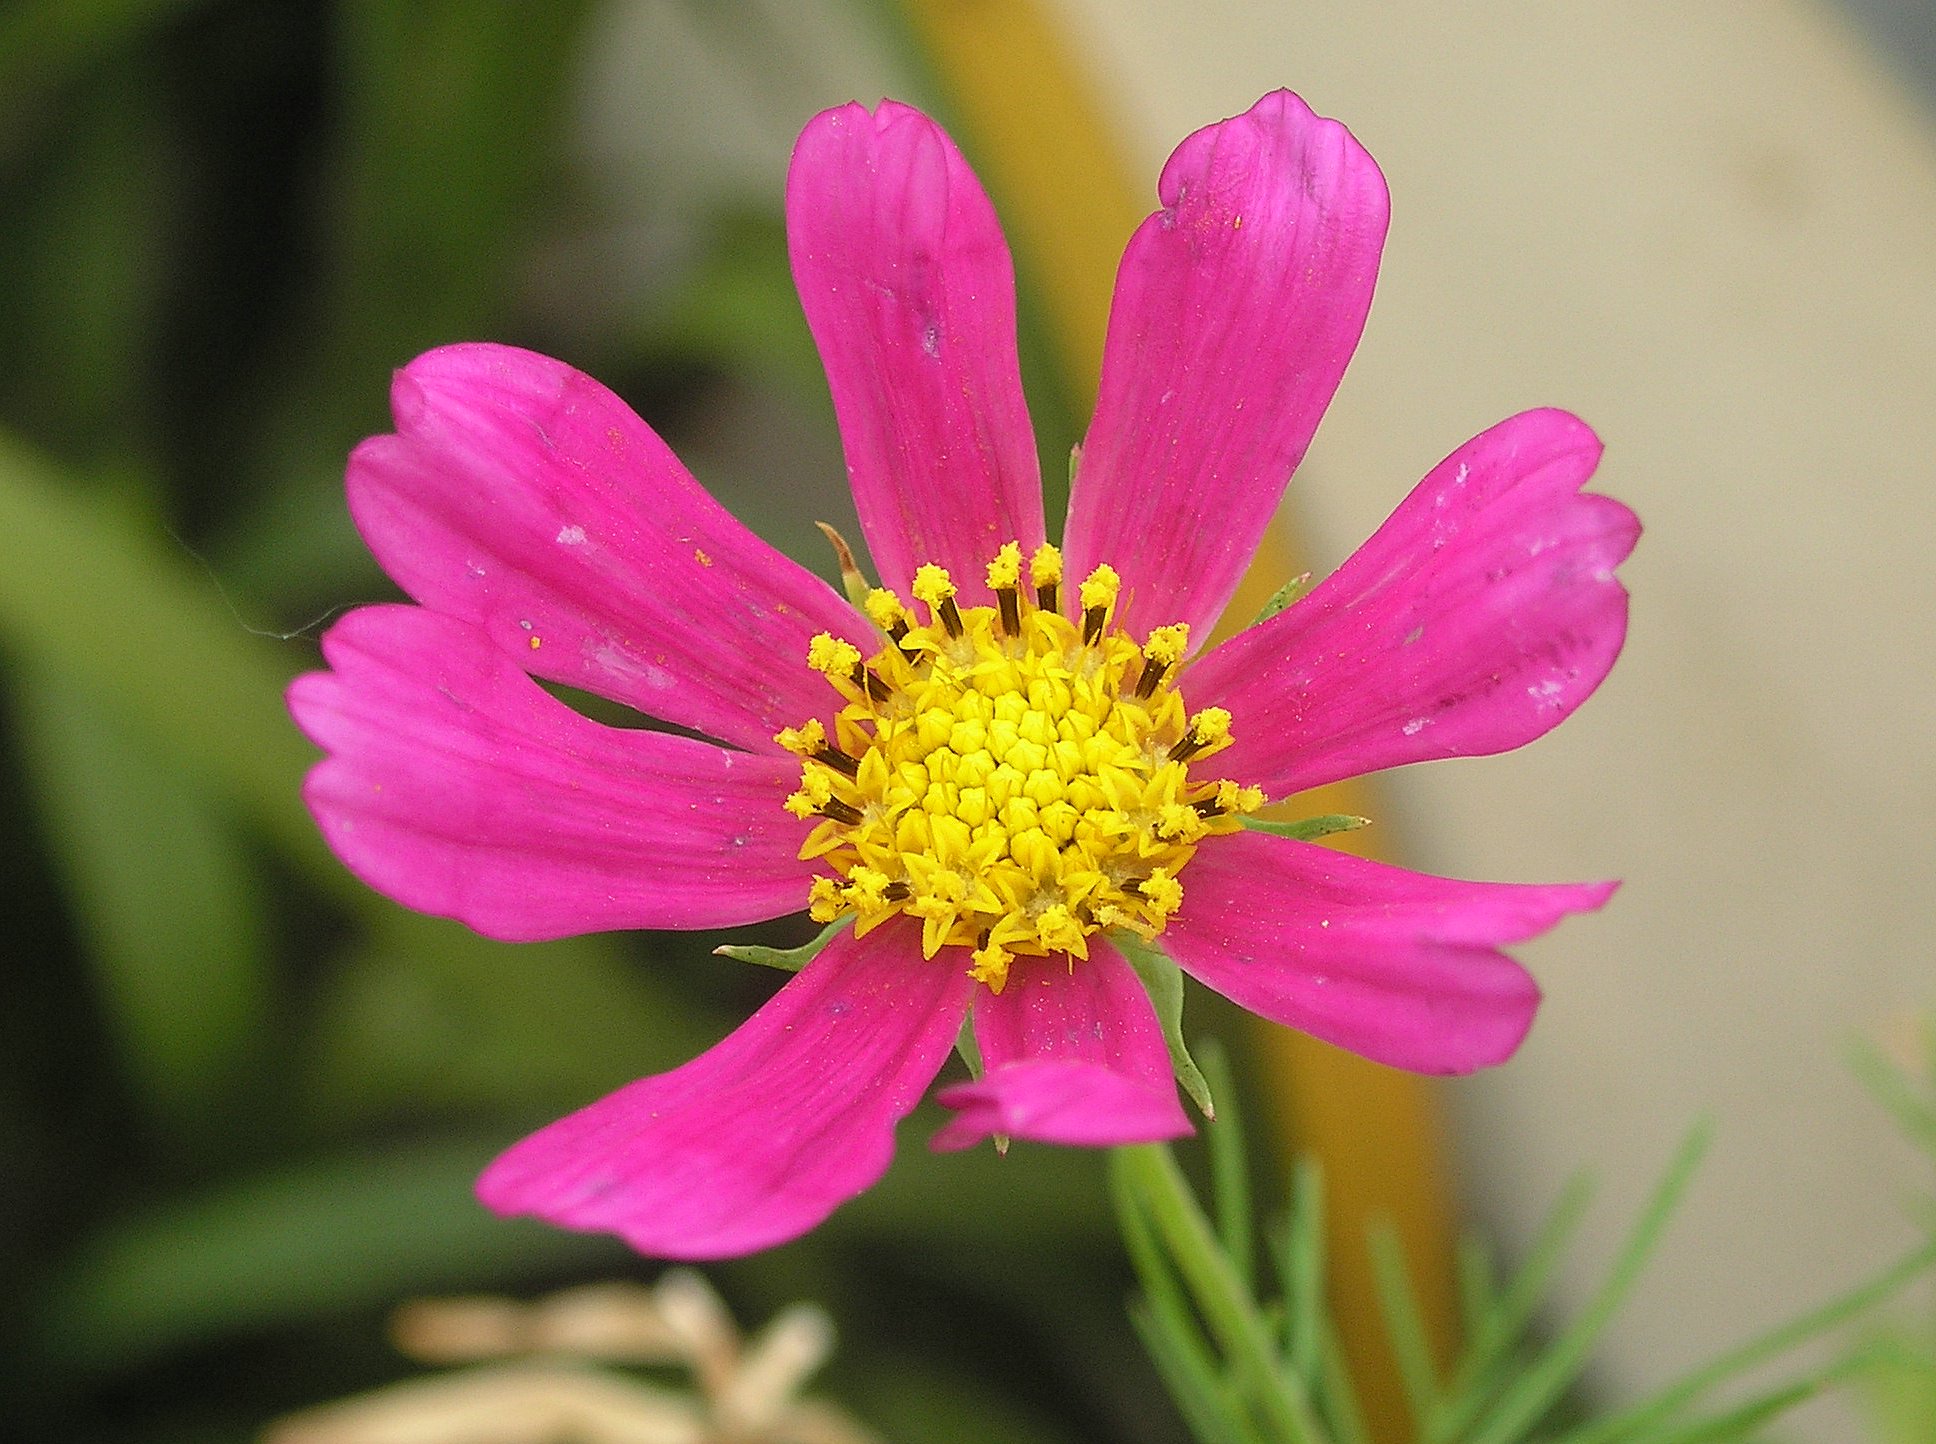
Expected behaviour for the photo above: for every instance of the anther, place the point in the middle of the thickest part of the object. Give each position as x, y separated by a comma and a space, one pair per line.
885, 611
838, 760
1160, 653
1045, 572
866, 678
1210, 728
1004, 580
933, 585
1098, 596
840, 811
896, 892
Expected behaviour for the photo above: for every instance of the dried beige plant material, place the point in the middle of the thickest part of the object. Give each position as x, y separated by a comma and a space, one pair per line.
743, 1392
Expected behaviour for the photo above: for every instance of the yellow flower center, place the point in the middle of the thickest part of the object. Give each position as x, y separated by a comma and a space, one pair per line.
1015, 779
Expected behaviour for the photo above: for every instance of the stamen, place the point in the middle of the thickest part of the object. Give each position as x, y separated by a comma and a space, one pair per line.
1045, 571
866, 678
1004, 580
1209, 730
885, 611
838, 760
1098, 596
841, 811
1160, 653
933, 585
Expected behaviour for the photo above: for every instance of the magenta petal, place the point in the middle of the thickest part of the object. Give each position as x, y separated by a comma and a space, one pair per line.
1480, 615
758, 1139
908, 289
1399, 966
1237, 306
1072, 1054
522, 496
458, 786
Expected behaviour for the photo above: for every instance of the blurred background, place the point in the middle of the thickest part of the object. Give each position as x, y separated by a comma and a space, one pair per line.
242, 1099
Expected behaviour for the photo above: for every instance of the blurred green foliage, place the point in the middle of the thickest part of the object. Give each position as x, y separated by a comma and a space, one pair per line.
242, 1098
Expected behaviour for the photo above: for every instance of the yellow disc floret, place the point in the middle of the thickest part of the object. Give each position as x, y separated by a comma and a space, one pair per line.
1014, 779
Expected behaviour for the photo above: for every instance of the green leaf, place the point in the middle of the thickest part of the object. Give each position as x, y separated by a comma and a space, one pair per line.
425, 1013
1915, 1115
1650, 1413
1283, 597
1404, 1322
787, 960
1308, 828
1164, 981
1490, 1347
1229, 1172
355, 1231
165, 899
90, 595
1542, 1382
1148, 1175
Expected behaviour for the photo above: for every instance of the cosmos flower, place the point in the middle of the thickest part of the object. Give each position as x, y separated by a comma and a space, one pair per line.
1010, 770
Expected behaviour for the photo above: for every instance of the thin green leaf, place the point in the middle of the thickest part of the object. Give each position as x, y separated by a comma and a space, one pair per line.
1230, 1172
1666, 1402
1170, 1330
1337, 1396
1201, 1397
1549, 1375
1404, 1324
1489, 1352
1150, 1176
1301, 1267
1915, 1115
1307, 828
165, 898
1164, 982
787, 960
1478, 1292
1283, 597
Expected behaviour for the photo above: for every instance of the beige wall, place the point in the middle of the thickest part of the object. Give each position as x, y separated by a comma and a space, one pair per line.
1711, 230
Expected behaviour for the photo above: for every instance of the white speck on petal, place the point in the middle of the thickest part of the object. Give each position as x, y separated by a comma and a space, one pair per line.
1416, 726
571, 536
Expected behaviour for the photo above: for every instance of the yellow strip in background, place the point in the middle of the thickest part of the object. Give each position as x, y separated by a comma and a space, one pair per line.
1068, 206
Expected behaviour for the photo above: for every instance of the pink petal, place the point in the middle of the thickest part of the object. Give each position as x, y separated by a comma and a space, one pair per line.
1481, 614
1399, 966
1073, 1054
908, 289
761, 1137
523, 496
458, 786
1237, 306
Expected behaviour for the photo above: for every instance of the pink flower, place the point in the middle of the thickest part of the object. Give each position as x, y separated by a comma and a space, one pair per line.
994, 774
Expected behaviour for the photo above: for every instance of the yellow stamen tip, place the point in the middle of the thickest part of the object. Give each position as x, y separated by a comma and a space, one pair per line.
831, 657
1006, 569
1045, 567
1101, 587
933, 585
1166, 645
884, 609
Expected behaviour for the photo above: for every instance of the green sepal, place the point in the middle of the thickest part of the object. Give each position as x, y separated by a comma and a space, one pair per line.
787, 960
1306, 829
1296, 587
1075, 460
969, 1049
1164, 980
